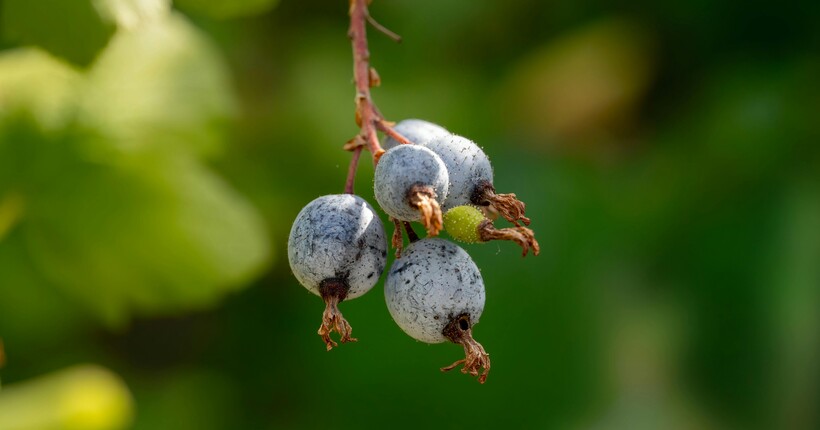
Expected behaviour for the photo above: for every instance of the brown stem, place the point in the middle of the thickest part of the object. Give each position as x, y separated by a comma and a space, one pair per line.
423, 197
351, 171
398, 240
460, 331
507, 205
523, 236
365, 114
411, 234
368, 116
2, 355
333, 292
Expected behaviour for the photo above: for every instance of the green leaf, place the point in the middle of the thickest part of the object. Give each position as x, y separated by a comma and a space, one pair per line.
75, 29
37, 83
227, 9
101, 191
164, 85
126, 233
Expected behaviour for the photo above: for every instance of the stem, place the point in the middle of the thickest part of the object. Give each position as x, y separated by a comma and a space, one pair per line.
366, 116
351, 171
398, 240
395, 37
411, 234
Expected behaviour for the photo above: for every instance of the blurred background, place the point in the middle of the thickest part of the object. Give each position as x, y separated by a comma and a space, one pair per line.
153, 156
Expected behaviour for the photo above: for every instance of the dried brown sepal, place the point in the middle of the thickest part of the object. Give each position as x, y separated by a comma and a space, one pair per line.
460, 331
523, 236
397, 240
375, 79
507, 205
333, 292
354, 143
423, 197
490, 212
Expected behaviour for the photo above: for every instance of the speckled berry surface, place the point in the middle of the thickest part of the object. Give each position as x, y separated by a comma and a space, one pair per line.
417, 131
461, 223
399, 169
338, 236
434, 281
466, 164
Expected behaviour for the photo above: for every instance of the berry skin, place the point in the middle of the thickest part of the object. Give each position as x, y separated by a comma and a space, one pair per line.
435, 293
409, 182
461, 223
467, 165
417, 131
471, 178
337, 249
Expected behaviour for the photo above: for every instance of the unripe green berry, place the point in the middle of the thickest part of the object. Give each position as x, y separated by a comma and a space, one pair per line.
461, 223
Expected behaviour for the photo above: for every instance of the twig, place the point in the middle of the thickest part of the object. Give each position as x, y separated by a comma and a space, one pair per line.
368, 117
351, 171
387, 32
411, 234
385, 128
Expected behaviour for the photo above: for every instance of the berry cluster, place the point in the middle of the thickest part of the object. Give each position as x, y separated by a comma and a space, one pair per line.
337, 247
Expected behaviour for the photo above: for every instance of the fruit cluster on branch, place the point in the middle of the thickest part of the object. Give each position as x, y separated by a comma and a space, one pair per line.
337, 247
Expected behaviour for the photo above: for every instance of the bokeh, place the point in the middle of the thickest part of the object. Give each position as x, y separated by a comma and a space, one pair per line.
153, 156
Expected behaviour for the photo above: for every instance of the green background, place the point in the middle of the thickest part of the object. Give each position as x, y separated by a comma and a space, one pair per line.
152, 160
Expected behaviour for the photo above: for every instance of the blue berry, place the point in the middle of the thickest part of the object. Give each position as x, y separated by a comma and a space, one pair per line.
417, 131
471, 178
337, 250
409, 183
435, 293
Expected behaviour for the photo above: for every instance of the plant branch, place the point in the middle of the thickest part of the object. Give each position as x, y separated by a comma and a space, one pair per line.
368, 117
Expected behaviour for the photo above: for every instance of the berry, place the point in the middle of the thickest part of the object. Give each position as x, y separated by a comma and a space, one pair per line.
435, 293
471, 178
468, 224
408, 181
417, 131
337, 250
461, 223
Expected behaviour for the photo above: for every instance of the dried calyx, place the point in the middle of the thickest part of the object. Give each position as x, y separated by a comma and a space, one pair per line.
507, 205
460, 331
423, 197
523, 236
333, 292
